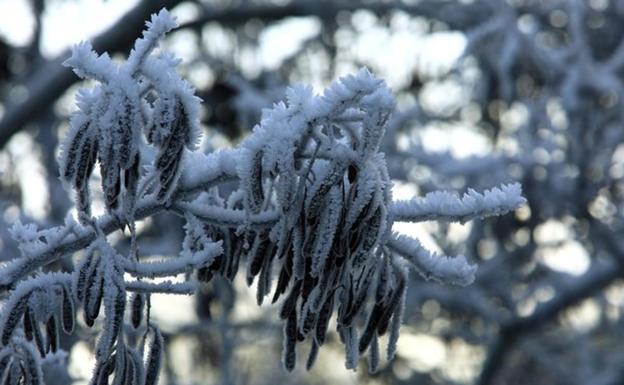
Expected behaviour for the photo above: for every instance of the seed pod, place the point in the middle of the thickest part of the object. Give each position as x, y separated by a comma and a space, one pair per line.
168, 166
371, 327
298, 257
358, 304
83, 269
28, 323
234, 261
93, 300
264, 280
323, 320
316, 200
257, 254
40, 343
131, 183
154, 358
14, 316
373, 355
83, 206
71, 147
284, 277
370, 237
164, 110
137, 303
289, 354
391, 306
125, 148
111, 185
328, 223
351, 347
67, 311
312, 356
397, 318
85, 162
291, 301
119, 307
307, 319
383, 279
255, 194
52, 334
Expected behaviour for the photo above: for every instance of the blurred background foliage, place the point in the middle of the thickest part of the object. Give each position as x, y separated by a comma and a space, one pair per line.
488, 91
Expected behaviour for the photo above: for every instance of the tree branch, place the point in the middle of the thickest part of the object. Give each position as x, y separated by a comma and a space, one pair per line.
50, 79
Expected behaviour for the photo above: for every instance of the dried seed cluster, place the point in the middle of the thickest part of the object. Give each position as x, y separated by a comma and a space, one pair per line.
111, 117
315, 162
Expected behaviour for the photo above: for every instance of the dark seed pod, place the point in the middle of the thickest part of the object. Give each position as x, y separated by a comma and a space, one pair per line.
28, 324
119, 307
373, 355
40, 343
52, 334
371, 327
111, 179
291, 301
93, 301
323, 320
131, 183
14, 316
85, 162
351, 347
312, 356
67, 311
352, 173
234, 260
154, 358
317, 199
284, 278
137, 304
391, 307
68, 167
83, 270
289, 354
307, 318
257, 254
123, 127
356, 306
168, 164
256, 192
383, 280
264, 280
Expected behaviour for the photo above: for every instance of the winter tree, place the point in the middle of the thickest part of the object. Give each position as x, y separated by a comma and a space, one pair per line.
306, 197
203, 214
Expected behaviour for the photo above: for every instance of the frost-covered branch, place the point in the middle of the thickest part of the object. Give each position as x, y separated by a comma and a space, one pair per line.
448, 270
444, 206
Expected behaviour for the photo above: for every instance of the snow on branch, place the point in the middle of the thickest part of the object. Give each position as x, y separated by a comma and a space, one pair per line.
445, 206
431, 266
